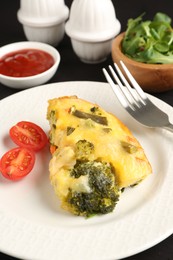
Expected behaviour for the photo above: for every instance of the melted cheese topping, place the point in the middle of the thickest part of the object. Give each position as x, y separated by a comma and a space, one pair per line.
130, 167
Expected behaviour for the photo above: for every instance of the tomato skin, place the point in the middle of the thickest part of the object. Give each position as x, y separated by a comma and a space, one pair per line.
28, 135
17, 163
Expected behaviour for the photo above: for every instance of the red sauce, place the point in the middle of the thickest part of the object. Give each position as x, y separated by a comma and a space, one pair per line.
25, 63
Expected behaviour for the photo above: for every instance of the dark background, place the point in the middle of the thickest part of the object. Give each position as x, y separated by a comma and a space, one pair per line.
72, 69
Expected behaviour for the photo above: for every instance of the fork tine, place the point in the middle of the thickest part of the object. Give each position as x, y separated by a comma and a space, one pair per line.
130, 103
147, 114
134, 98
116, 90
134, 82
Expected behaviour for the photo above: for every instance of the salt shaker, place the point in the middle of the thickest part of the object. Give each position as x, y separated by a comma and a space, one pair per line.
92, 25
43, 20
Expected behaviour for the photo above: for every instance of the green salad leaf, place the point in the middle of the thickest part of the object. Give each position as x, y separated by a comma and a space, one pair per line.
149, 41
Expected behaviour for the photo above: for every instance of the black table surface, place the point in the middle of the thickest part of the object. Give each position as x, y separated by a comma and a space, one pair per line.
72, 69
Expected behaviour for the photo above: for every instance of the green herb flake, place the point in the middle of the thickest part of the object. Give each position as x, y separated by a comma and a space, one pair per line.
107, 130
70, 130
96, 118
130, 148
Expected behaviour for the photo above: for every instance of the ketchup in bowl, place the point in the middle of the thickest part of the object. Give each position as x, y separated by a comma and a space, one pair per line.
25, 63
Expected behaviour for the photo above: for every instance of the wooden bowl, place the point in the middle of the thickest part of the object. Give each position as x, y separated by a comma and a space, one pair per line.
151, 77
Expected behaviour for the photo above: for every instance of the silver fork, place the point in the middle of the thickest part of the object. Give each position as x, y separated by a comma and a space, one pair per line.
135, 101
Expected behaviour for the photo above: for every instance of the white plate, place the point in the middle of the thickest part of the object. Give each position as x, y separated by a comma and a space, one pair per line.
32, 225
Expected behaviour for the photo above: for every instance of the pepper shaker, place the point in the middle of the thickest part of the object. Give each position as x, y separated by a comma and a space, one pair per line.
92, 25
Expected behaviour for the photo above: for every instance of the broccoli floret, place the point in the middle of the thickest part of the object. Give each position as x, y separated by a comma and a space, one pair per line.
83, 149
104, 192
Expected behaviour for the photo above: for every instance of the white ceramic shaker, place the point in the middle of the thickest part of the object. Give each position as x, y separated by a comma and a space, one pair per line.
92, 25
43, 20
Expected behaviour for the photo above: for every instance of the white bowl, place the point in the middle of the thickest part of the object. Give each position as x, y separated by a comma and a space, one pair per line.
30, 81
92, 25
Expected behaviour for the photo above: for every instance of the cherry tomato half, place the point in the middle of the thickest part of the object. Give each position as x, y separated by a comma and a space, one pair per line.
17, 163
28, 135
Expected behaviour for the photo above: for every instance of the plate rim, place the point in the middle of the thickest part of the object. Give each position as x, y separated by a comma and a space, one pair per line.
166, 106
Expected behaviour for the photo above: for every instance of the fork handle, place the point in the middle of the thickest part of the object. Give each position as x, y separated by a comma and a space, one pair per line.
169, 127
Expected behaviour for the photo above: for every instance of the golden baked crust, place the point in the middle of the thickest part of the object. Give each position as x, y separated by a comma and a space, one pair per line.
71, 120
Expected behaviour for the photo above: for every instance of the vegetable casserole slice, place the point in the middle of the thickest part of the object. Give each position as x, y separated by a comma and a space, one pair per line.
94, 156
